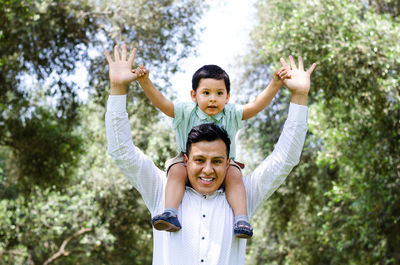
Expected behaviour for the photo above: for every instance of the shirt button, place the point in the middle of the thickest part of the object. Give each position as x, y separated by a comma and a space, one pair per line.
204, 215
202, 260
202, 237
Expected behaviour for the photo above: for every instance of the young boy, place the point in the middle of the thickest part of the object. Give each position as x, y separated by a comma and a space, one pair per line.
210, 95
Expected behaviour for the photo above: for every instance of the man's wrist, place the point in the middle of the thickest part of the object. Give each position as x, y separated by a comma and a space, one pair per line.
300, 99
118, 89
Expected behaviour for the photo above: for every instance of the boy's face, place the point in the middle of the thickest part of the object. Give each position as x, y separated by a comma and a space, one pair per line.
211, 95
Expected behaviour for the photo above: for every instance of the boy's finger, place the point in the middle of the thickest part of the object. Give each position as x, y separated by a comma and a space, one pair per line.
116, 53
108, 57
311, 69
132, 56
292, 63
123, 54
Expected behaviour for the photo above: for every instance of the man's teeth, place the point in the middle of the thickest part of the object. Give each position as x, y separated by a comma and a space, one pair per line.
207, 179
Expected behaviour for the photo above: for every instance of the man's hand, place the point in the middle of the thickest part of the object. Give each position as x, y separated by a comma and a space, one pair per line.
299, 83
120, 70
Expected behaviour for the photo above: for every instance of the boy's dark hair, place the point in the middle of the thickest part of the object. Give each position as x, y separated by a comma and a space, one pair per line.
210, 71
207, 132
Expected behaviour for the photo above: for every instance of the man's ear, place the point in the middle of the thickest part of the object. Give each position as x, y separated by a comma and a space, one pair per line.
185, 159
228, 162
193, 95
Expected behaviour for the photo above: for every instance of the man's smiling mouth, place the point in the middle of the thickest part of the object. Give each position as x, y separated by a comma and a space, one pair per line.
207, 180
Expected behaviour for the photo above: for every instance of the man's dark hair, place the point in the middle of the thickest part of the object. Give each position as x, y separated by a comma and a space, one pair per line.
207, 132
210, 71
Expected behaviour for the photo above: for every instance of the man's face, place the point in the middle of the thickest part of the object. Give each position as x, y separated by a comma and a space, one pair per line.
211, 95
206, 165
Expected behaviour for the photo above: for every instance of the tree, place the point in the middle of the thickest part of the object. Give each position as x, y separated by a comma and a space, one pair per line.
341, 204
62, 200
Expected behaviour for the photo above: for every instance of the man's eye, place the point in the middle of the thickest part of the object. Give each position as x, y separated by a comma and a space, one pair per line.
199, 160
217, 161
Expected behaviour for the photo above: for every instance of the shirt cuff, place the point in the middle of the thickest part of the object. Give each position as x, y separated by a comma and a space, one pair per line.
298, 112
116, 103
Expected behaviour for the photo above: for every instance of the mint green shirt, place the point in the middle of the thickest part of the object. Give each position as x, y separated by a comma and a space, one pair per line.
188, 114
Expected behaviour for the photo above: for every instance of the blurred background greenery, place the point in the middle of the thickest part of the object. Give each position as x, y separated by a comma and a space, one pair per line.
63, 201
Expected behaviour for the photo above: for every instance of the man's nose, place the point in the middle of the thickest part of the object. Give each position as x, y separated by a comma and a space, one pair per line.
207, 169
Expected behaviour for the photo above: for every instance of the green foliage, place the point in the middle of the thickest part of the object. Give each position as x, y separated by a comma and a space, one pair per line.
341, 204
62, 199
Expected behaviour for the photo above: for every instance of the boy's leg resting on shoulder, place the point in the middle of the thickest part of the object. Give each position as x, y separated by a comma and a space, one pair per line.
174, 191
236, 196
175, 187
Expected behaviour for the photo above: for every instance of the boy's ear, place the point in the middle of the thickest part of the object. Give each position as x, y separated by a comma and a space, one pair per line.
227, 97
193, 95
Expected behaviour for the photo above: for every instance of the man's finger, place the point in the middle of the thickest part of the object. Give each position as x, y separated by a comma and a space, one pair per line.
108, 57
311, 69
116, 53
300, 60
283, 62
132, 56
123, 54
292, 63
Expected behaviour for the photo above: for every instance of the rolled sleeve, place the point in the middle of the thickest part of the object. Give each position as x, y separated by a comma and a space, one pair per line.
136, 166
272, 172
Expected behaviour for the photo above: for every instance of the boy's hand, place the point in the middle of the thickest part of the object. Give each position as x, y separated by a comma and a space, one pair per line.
141, 73
281, 74
120, 70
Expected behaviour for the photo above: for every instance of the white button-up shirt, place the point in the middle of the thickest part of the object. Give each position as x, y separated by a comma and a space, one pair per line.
207, 235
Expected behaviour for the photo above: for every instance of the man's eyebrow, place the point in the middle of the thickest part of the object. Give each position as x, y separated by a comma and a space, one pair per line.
198, 156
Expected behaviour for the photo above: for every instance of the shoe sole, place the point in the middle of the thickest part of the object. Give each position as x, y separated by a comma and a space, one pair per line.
243, 235
165, 226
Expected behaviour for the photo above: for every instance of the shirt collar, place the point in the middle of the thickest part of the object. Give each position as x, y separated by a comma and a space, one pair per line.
205, 117
217, 192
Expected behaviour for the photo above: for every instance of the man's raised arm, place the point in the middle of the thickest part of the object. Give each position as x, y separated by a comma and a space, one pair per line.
137, 167
272, 172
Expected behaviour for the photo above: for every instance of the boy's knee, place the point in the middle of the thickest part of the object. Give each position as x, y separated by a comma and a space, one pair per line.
178, 172
234, 174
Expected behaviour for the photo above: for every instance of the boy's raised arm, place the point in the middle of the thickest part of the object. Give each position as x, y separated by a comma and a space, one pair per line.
152, 93
265, 97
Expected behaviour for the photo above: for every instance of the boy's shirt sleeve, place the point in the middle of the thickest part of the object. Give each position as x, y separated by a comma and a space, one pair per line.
182, 112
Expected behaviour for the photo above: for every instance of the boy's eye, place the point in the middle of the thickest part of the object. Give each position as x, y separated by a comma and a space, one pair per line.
220, 93
206, 93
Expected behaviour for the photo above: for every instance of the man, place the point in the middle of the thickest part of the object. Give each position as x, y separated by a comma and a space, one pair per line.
206, 236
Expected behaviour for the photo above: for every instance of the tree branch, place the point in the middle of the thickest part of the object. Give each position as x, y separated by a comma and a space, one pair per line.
62, 251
